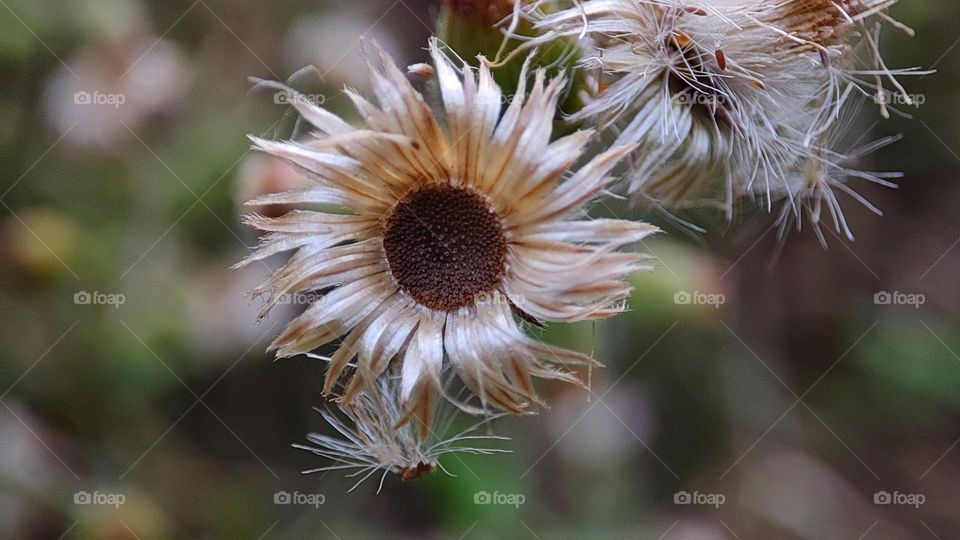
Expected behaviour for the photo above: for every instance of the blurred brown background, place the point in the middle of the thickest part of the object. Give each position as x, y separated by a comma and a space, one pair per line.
757, 389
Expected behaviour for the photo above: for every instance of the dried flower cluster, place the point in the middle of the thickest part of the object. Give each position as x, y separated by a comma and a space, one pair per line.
733, 100
435, 234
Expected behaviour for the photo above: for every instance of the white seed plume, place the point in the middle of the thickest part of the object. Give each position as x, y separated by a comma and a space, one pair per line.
725, 100
825, 172
375, 436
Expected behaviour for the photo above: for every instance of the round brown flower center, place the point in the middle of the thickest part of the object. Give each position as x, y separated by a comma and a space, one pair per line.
445, 246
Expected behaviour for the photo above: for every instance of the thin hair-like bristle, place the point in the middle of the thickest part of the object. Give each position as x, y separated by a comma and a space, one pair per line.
371, 436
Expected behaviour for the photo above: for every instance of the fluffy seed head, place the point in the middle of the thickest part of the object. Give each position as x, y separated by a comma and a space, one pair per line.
372, 436
727, 100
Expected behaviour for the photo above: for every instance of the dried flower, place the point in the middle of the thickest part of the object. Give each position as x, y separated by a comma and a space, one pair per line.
454, 235
725, 99
374, 435
826, 171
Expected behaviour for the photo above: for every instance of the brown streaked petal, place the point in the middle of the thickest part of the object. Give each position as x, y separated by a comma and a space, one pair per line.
274, 243
612, 232
421, 406
478, 354
424, 357
399, 100
517, 362
318, 276
309, 222
572, 194
559, 307
536, 125
383, 338
340, 171
311, 256
421, 167
311, 195
455, 105
277, 242
420, 373
559, 262
555, 163
381, 161
347, 351
333, 315
502, 145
